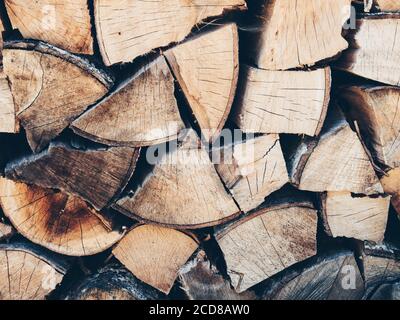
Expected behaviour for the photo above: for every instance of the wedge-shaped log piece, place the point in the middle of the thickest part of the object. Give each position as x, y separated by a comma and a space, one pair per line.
143, 111
50, 87
65, 24
183, 190
292, 102
299, 33
61, 223
8, 119
128, 29
252, 169
362, 218
375, 111
113, 282
207, 68
5, 231
155, 254
333, 276
374, 38
267, 241
200, 280
28, 272
335, 161
96, 175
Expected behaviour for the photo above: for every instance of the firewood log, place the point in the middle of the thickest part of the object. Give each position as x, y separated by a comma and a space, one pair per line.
335, 161
6, 231
358, 217
252, 169
65, 24
206, 68
183, 190
61, 223
27, 272
200, 280
367, 43
271, 238
8, 120
143, 111
97, 174
333, 276
293, 102
291, 33
113, 282
126, 30
384, 5
155, 254
50, 87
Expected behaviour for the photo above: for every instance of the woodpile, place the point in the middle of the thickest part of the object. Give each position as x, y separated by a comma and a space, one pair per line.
200, 149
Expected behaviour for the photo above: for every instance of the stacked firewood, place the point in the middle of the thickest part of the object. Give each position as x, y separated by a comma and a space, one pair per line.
200, 149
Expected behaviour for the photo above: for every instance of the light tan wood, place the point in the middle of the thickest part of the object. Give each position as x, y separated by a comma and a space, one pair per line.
293, 102
1, 41
388, 5
50, 88
252, 169
128, 29
374, 38
5, 231
299, 33
61, 223
155, 254
26, 275
264, 244
143, 111
8, 120
65, 24
336, 161
391, 185
206, 68
183, 190
94, 174
362, 218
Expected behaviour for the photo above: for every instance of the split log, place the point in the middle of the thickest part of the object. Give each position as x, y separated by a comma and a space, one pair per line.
27, 272
6, 231
65, 24
143, 111
291, 33
155, 254
61, 223
362, 218
8, 120
51, 87
293, 102
207, 68
252, 169
381, 266
374, 37
335, 161
200, 280
183, 190
96, 175
270, 239
126, 30
329, 277
113, 282
391, 184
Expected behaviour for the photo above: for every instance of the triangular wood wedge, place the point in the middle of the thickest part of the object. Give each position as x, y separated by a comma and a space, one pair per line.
374, 38
50, 87
128, 29
292, 102
183, 190
143, 111
207, 68
27, 272
298, 33
252, 169
268, 240
335, 161
61, 223
65, 24
155, 254
362, 218
96, 175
